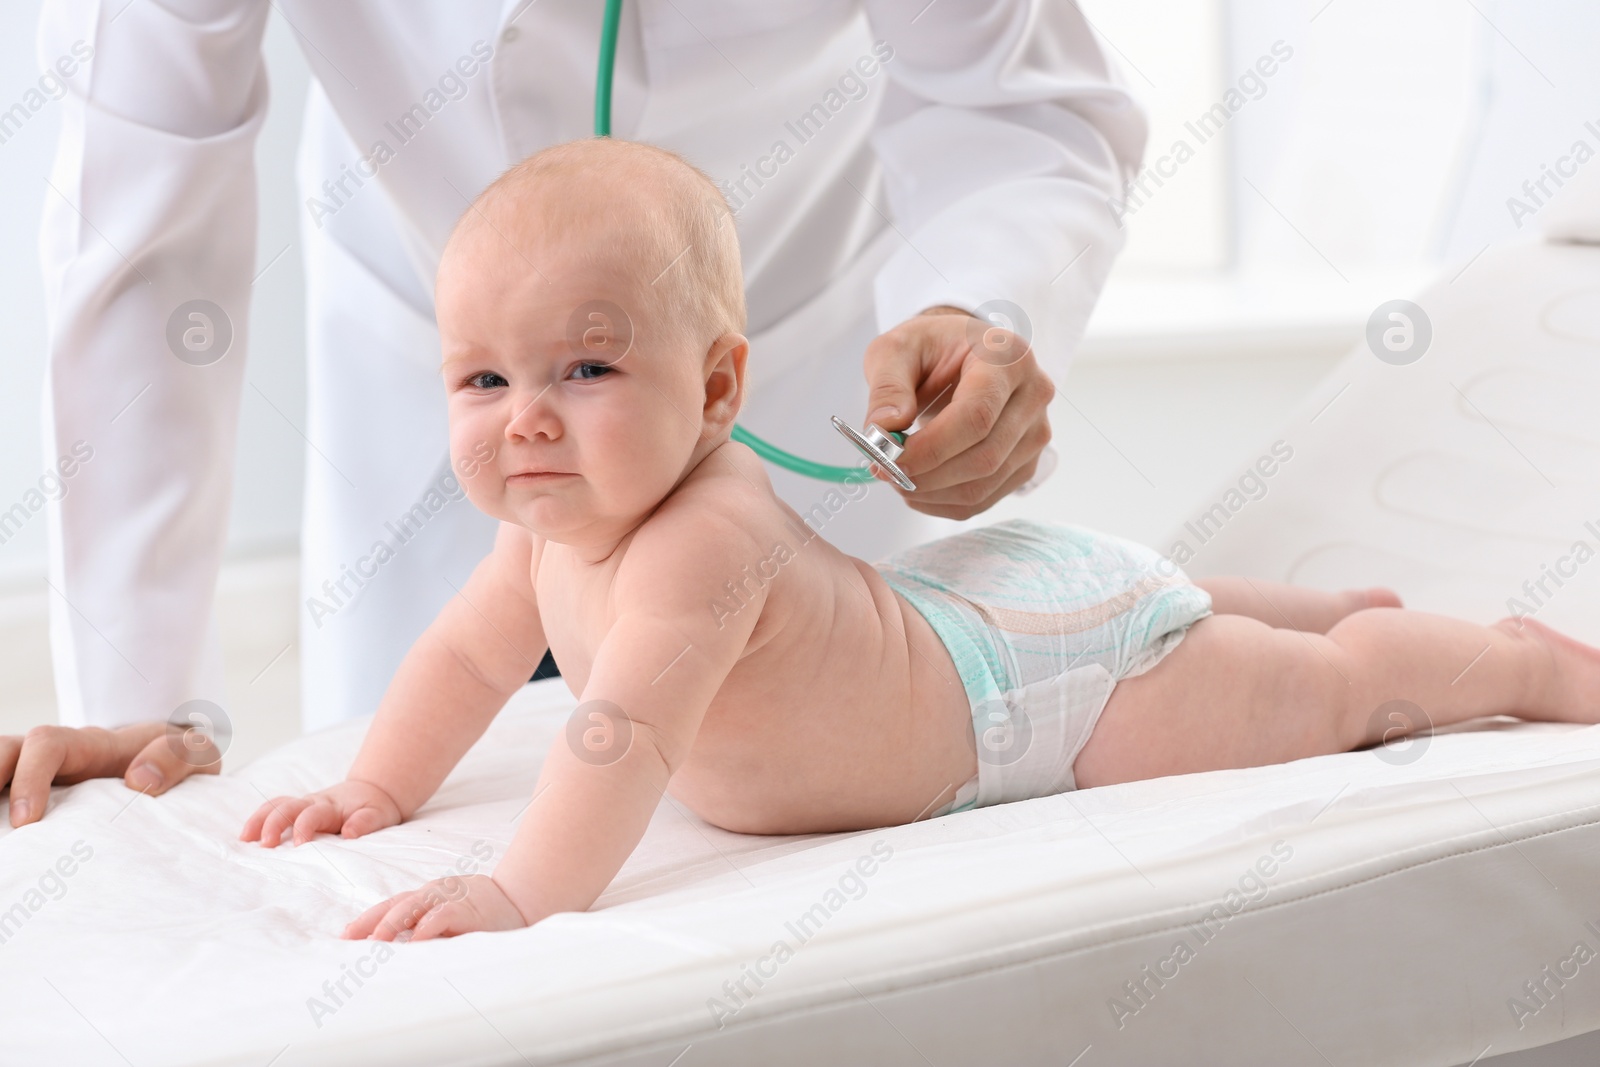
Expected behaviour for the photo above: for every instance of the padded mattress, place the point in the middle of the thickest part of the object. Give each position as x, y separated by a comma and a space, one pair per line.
1369, 907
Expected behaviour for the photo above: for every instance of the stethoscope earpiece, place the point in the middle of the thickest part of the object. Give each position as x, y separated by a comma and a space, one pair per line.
881, 446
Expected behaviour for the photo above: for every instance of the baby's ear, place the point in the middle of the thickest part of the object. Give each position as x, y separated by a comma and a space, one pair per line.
725, 376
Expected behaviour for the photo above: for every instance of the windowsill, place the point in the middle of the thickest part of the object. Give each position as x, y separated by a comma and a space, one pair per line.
1228, 316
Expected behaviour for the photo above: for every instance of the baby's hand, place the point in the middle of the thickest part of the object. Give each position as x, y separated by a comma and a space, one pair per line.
444, 907
350, 808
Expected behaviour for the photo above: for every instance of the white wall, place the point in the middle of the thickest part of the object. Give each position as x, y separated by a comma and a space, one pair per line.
24, 162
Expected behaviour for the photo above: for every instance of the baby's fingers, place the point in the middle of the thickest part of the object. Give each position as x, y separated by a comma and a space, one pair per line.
405, 912
364, 821
363, 925
450, 918
323, 816
272, 819
252, 825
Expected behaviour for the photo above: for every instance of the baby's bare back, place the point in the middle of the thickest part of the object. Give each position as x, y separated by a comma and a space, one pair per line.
844, 710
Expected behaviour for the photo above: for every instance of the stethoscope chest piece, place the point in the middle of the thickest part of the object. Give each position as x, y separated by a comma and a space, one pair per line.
881, 446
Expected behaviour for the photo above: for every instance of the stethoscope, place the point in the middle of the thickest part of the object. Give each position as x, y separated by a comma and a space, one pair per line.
880, 446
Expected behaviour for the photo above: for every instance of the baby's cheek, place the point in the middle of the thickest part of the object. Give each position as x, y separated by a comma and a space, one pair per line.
476, 472
472, 443
487, 494
478, 493
472, 451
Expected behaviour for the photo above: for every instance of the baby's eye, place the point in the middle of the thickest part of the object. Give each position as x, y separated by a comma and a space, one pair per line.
604, 368
477, 380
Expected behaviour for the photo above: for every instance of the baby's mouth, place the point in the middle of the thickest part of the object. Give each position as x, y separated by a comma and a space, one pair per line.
530, 477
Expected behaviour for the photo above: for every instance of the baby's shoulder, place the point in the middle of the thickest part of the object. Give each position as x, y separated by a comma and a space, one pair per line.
714, 521
729, 484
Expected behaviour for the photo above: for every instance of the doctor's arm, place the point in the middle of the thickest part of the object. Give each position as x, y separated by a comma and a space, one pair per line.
654, 676
1004, 135
150, 208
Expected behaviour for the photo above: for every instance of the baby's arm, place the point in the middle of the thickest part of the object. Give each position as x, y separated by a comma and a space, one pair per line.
483, 646
654, 676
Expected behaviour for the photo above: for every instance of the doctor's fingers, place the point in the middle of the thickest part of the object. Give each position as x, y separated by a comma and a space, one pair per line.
966, 511
914, 364
894, 368
972, 474
161, 764
54, 754
989, 406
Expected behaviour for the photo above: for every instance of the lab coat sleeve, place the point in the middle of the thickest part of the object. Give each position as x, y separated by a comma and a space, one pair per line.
1004, 134
151, 203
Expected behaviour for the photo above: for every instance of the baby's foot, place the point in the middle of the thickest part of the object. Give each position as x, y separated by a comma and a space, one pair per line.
1351, 601
1571, 692
1375, 597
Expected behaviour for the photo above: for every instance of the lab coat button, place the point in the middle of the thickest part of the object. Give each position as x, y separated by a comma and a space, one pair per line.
509, 34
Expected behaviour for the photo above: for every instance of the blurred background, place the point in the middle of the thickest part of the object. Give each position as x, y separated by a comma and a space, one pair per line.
1380, 153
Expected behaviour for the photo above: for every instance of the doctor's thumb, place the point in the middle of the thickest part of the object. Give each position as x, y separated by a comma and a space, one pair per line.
160, 765
891, 404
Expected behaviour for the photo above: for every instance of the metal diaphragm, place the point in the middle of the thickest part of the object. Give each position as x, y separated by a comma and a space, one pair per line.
879, 447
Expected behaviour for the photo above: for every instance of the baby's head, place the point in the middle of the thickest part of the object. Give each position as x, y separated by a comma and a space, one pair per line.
591, 313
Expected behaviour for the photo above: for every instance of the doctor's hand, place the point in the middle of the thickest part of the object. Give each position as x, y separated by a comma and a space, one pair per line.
350, 809
143, 754
982, 396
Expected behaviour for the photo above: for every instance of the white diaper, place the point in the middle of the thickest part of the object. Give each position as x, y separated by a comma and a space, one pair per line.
1042, 620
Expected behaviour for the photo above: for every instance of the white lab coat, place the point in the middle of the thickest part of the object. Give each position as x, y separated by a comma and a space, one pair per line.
973, 163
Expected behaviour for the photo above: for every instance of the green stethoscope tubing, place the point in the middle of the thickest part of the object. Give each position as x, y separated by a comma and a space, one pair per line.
602, 128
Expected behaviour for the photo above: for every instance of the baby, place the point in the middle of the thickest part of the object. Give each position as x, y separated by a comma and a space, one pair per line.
591, 312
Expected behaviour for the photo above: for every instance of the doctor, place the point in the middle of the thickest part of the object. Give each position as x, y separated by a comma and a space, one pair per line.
895, 170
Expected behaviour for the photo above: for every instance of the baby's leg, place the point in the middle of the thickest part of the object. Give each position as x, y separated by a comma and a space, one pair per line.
1238, 693
1293, 607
